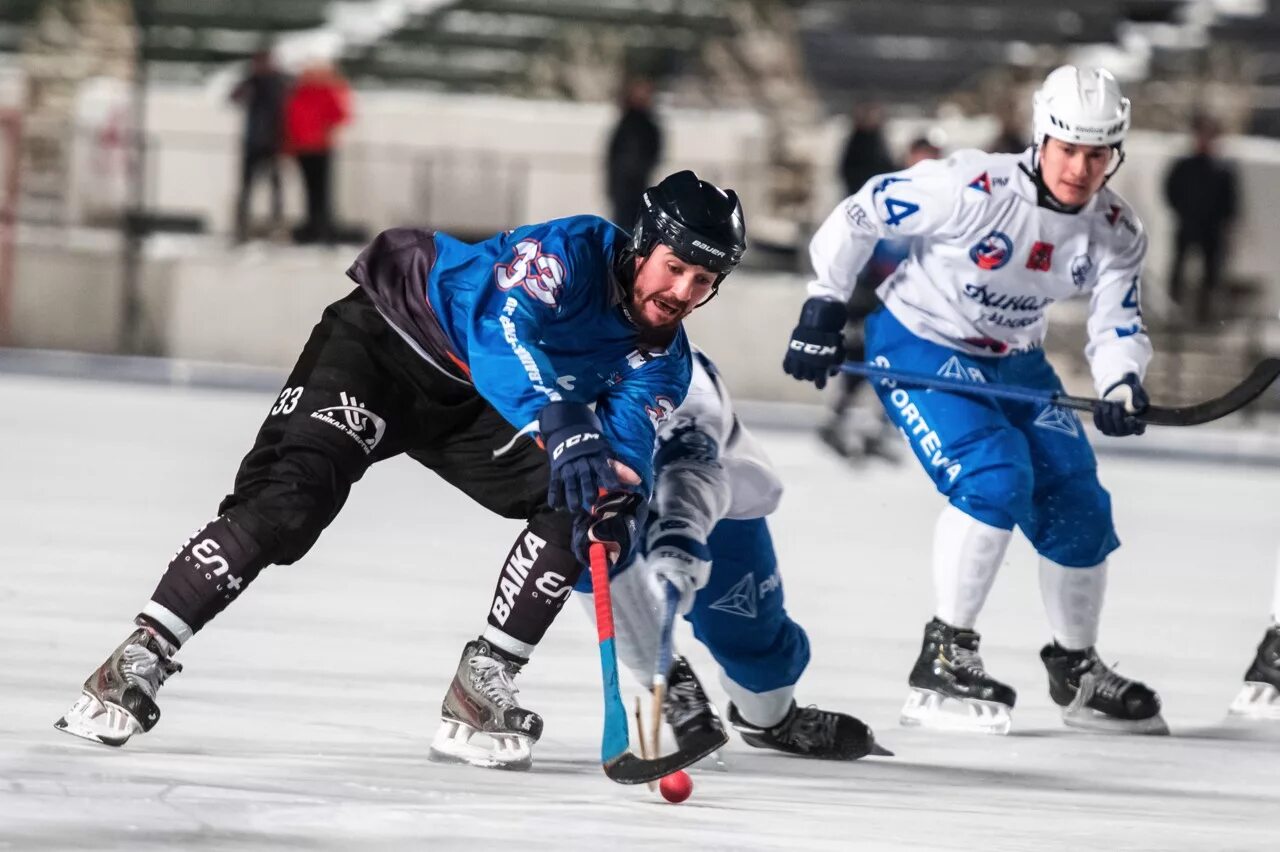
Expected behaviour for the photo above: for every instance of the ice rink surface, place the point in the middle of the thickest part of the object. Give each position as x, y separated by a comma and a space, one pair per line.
303, 715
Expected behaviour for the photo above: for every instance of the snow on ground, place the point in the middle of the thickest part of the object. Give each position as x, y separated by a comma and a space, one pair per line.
303, 716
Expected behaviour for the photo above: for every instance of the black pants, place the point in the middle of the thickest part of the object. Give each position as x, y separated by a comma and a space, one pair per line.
357, 395
317, 169
1210, 248
252, 163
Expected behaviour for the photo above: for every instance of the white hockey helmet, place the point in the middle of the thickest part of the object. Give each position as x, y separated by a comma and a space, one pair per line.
1082, 106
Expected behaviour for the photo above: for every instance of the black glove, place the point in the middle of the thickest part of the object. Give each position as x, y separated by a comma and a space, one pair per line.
816, 350
1115, 414
579, 454
614, 521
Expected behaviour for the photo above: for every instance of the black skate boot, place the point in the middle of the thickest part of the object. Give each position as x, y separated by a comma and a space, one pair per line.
811, 732
119, 699
1259, 698
1094, 697
950, 689
693, 718
482, 700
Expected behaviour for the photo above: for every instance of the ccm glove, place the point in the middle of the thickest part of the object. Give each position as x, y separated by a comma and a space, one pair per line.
816, 350
1115, 415
579, 455
679, 556
613, 522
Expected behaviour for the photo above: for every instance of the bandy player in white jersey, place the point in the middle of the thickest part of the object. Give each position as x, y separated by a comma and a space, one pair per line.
997, 239
707, 535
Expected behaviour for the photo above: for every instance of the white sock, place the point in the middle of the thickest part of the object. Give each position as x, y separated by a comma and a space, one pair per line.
762, 709
636, 624
966, 556
1073, 602
1275, 603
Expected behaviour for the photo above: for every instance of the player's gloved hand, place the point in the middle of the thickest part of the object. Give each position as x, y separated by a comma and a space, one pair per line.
579, 456
678, 555
613, 521
816, 350
1122, 401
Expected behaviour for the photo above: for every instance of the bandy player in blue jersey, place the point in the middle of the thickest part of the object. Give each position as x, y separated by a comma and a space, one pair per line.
530, 370
996, 239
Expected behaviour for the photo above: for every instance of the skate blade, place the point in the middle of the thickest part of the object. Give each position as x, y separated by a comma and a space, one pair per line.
1256, 701
1091, 720
457, 742
928, 709
90, 719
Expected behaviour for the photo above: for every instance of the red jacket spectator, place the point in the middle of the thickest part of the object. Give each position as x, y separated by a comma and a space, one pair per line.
316, 107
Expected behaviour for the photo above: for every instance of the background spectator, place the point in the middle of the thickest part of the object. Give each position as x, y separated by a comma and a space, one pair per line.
635, 147
317, 106
262, 94
1201, 189
865, 154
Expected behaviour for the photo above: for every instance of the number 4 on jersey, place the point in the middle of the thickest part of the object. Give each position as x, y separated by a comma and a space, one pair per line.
898, 210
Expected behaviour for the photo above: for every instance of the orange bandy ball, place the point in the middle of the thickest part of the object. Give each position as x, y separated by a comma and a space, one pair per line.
676, 787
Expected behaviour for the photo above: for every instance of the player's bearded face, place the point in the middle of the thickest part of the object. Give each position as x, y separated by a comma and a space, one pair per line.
1074, 173
667, 289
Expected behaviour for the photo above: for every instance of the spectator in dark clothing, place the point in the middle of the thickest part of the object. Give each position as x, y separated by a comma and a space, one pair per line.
261, 93
865, 154
1201, 189
317, 106
634, 151
1010, 139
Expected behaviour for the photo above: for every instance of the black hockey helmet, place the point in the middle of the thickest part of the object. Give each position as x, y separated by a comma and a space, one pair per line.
701, 223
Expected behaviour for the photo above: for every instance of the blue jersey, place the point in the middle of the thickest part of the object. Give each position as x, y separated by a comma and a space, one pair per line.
532, 316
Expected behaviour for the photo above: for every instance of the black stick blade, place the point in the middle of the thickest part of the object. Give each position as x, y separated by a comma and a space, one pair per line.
1262, 377
627, 768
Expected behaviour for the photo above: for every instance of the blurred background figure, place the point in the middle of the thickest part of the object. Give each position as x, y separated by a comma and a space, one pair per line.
635, 147
318, 105
1010, 139
261, 93
847, 436
1201, 190
865, 154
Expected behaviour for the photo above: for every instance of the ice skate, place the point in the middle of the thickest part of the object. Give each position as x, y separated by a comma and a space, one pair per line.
1095, 698
1259, 698
811, 732
694, 720
119, 699
950, 689
481, 724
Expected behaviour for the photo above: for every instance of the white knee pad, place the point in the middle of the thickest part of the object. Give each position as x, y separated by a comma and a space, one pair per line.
967, 553
1073, 602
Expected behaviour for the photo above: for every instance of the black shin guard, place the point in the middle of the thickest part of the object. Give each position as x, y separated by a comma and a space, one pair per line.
536, 579
207, 573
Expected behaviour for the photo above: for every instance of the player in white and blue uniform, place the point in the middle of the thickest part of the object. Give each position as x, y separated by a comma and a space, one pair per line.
708, 536
997, 238
529, 370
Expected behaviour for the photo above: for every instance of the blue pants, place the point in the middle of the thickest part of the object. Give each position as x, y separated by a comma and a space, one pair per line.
1004, 463
739, 615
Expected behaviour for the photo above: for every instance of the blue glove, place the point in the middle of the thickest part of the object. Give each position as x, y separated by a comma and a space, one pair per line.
579, 454
613, 521
1114, 416
816, 350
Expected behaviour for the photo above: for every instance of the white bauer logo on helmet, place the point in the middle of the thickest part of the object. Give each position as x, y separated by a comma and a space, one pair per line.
1082, 106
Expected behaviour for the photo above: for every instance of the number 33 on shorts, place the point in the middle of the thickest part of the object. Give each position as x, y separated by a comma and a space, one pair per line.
288, 401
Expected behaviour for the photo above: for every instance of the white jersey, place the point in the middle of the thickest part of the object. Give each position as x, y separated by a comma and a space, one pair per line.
988, 260
708, 466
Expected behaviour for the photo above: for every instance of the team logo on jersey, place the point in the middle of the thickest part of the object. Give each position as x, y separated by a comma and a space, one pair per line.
1058, 419
992, 251
540, 273
1081, 266
1041, 257
660, 411
982, 183
358, 422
